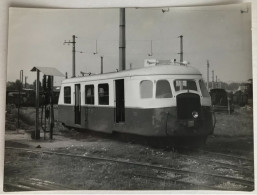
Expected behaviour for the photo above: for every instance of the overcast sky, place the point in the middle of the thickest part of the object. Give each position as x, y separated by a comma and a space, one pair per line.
221, 34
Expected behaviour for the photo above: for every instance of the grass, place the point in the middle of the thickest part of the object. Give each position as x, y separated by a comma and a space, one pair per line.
86, 174
79, 173
239, 123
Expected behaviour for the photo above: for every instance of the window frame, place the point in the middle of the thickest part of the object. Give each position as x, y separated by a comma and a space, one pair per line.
152, 89
156, 88
65, 95
178, 91
100, 97
92, 97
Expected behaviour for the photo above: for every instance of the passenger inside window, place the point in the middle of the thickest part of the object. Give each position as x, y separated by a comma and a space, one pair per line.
163, 89
89, 94
67, 95
146, 89
103, 94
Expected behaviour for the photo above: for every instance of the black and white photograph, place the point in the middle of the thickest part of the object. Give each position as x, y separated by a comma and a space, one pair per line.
129, 99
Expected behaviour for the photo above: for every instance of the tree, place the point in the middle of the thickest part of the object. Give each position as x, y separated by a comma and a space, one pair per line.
17, 85
34, 85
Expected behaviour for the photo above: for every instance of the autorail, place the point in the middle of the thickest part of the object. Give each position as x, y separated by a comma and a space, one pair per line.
159, 100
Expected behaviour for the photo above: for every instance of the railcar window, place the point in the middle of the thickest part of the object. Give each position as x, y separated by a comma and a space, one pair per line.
146, 89
103, 94
180, 85
89, 94
67, 95
163, 89
204, 91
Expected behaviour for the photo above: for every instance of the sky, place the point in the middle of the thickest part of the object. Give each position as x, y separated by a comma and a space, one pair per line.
220, 34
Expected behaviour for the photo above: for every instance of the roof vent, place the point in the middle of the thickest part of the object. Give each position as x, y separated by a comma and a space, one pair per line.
150, 62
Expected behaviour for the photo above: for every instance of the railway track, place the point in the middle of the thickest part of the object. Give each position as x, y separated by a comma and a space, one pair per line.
224, 161
183, 176
34, 184
200, 151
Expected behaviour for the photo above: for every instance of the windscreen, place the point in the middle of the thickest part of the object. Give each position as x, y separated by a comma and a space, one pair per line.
184, 84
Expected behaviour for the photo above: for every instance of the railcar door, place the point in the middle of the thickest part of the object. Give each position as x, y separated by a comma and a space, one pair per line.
120, 101
77, 108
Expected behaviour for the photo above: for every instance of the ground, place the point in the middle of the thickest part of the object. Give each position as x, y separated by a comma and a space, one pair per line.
233, 136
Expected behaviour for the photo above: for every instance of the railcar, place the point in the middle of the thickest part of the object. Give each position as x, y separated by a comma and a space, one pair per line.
159, 100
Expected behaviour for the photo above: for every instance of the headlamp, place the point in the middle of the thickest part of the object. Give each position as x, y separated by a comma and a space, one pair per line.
195, 114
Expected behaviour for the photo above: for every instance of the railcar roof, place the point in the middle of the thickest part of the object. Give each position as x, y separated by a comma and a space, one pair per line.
146, 71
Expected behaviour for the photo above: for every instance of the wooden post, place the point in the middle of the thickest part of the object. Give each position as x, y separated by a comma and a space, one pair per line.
52, 108
37, 131
229, 106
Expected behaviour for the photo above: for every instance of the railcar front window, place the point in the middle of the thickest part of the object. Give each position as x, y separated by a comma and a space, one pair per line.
204, 91
67, 95
103, 94
181, 85
89, 94
146, 89
163, 89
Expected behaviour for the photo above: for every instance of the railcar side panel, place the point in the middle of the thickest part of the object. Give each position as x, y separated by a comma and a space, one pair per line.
65, 114
147, 122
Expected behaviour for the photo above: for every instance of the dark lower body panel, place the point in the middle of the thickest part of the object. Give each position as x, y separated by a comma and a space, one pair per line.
146, 122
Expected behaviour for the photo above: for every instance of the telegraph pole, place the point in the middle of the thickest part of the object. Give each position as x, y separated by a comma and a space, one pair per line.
181, 48
216, 85
73, 54
122, 42
21, 77
37, 130
19, 100
26, 81
208, 67
102, 64
212, 79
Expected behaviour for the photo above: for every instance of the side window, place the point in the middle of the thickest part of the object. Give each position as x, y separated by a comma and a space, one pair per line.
204, 91
103, 94
146, 89
67, 95
89, 94
163, 89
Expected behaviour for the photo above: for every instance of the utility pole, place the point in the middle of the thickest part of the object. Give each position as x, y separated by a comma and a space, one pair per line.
102, 65
37, 130
212, 79
130, 66
181, 48
19, 100
73, 54
216, 83
208, 67
122, 42
26, 81
21, 77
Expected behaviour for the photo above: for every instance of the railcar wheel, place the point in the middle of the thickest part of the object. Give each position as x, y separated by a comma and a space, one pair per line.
194, 141
200, 141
